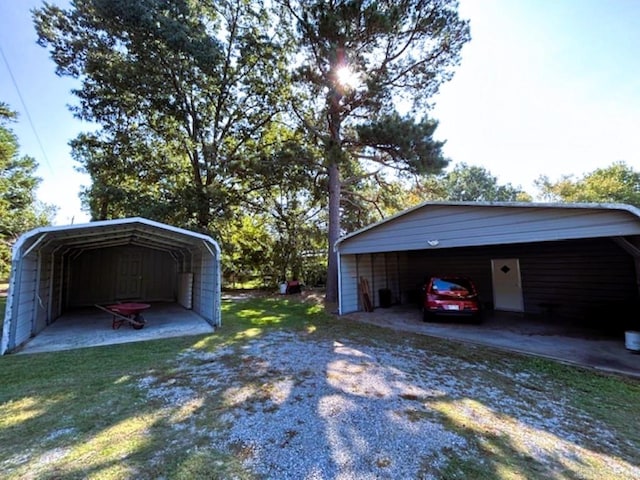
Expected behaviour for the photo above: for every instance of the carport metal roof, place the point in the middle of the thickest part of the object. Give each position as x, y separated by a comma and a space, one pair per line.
134, 231
435, 225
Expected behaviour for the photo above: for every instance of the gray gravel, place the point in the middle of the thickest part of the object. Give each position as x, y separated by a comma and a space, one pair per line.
297, 408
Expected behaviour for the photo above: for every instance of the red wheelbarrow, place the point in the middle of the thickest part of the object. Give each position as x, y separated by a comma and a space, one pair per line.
126, 312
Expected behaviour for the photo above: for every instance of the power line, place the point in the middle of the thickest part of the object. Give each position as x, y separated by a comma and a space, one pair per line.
26, 110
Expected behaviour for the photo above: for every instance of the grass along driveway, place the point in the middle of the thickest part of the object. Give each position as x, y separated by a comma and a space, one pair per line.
285, 391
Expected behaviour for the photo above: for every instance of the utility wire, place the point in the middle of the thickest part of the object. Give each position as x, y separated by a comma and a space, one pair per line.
26, 110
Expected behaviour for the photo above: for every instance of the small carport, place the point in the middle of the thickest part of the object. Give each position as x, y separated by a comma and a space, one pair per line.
574, 263
60, 271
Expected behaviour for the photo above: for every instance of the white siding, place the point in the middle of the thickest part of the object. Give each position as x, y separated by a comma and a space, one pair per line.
43, 293
199, 293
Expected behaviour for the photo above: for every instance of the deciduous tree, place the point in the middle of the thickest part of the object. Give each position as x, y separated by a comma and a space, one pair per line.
181, 92
470, 183
617, 183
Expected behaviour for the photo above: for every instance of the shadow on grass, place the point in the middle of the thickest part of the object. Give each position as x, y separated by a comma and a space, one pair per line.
86, 406
88, 412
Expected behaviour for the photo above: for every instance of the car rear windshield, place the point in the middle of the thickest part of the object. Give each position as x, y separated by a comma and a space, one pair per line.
462, 286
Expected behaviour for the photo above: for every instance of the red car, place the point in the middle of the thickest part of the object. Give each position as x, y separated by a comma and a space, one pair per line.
450, 296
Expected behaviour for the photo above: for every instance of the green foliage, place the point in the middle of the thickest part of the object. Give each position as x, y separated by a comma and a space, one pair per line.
357, 61
618, 183
247, 247
182, 92
402, 144
285, 197
19, 209
135, 179
191, 99
467, 183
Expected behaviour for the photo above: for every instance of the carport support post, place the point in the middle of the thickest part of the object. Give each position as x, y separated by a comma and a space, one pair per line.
398, 284
634, 251
358, 281
372, 259
10, 312
637, 263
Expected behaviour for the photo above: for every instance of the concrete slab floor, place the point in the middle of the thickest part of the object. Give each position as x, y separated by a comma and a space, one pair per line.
92, 327
518, 333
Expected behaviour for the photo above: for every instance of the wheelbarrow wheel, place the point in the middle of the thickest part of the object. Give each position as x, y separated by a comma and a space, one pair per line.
139, 322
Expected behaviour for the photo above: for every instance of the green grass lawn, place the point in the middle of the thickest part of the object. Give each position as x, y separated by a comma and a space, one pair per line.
85, 413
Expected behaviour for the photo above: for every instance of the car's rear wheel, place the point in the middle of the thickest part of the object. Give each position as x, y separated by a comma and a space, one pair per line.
427, 316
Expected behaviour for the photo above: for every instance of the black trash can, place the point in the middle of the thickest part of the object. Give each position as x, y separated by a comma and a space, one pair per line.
385, 297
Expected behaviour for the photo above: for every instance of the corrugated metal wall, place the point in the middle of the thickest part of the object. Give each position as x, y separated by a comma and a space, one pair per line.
579, 278
43, 292
22, 309
348, 284
382, 271
96, 276
204, 286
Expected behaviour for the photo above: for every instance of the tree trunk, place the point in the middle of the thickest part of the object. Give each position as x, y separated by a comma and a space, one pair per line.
334, 232
335, 155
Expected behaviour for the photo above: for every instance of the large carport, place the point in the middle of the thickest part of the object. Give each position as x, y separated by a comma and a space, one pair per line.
574, 263
60, 271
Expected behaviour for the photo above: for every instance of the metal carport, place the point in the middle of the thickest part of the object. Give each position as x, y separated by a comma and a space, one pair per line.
568, 260
57, 269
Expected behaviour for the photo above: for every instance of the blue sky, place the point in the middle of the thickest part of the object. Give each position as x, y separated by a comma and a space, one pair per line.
545, 87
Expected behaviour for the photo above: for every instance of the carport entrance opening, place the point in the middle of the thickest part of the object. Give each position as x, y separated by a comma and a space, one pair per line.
590, 283
56, 270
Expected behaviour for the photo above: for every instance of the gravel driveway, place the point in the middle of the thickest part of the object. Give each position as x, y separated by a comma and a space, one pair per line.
293, 406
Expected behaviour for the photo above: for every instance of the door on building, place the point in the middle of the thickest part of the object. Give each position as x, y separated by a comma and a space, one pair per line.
507, 285
129, 276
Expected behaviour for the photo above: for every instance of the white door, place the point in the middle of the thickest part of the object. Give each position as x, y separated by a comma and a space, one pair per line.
507, 287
